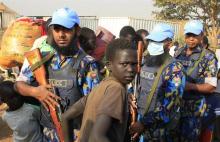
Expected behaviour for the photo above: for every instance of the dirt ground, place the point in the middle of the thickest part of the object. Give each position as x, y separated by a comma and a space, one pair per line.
5, 131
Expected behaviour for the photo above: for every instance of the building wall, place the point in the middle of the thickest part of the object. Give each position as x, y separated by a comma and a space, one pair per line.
7, 18
113, 24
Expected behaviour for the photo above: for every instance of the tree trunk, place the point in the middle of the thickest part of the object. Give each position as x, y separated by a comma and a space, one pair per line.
213, 33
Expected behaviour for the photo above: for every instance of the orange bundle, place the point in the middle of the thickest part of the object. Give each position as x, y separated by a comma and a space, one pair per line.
17, 39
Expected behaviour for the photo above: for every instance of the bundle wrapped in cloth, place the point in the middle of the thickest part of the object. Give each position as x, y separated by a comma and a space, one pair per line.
17, 39
103, 37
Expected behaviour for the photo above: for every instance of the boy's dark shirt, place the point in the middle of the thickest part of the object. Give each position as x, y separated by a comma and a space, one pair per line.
108, 98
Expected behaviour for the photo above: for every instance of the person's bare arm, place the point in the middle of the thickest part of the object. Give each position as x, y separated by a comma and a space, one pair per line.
203, 88
74, 111
101, 127
41, 93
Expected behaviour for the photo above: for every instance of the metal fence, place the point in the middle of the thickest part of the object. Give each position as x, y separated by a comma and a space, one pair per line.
89, 22
149, 24
114, 24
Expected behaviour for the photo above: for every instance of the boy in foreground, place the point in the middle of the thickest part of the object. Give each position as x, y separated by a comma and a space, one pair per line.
106, 107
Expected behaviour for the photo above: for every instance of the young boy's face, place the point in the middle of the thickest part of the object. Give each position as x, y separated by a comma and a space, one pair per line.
193, 40
124, 65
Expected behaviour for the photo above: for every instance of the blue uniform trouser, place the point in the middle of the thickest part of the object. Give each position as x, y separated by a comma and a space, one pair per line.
166, 138
213, 102
192, 113
190, 128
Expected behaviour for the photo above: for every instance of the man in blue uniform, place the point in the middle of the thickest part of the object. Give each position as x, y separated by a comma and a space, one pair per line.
70, 70
201, 70
159, 103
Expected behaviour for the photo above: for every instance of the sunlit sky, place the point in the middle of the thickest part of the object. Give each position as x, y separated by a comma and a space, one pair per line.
115, 8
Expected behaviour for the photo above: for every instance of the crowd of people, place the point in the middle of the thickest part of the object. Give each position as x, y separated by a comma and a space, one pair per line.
92, 78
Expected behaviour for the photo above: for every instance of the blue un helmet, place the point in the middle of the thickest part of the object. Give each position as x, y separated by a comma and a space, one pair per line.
194, 27
65, 17
161, 32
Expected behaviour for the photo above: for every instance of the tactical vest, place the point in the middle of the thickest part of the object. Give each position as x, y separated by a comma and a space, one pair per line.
194, 77
147, 77
65, 85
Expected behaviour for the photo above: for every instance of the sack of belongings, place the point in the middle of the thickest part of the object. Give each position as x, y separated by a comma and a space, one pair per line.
103, 37
17, 39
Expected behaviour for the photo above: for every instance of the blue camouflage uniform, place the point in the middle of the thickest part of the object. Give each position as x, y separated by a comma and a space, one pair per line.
72, 77
194, 107
213, 109
161, 120
87, 77
163, 116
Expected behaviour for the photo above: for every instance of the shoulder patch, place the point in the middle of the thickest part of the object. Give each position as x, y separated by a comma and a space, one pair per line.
209, 55
89, 58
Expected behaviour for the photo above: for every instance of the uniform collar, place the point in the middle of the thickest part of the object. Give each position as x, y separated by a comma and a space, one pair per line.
58, 63
80, 50
197, 49
182, 51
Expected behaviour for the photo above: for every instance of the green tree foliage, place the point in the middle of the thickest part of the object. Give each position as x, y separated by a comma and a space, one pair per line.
206, 10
